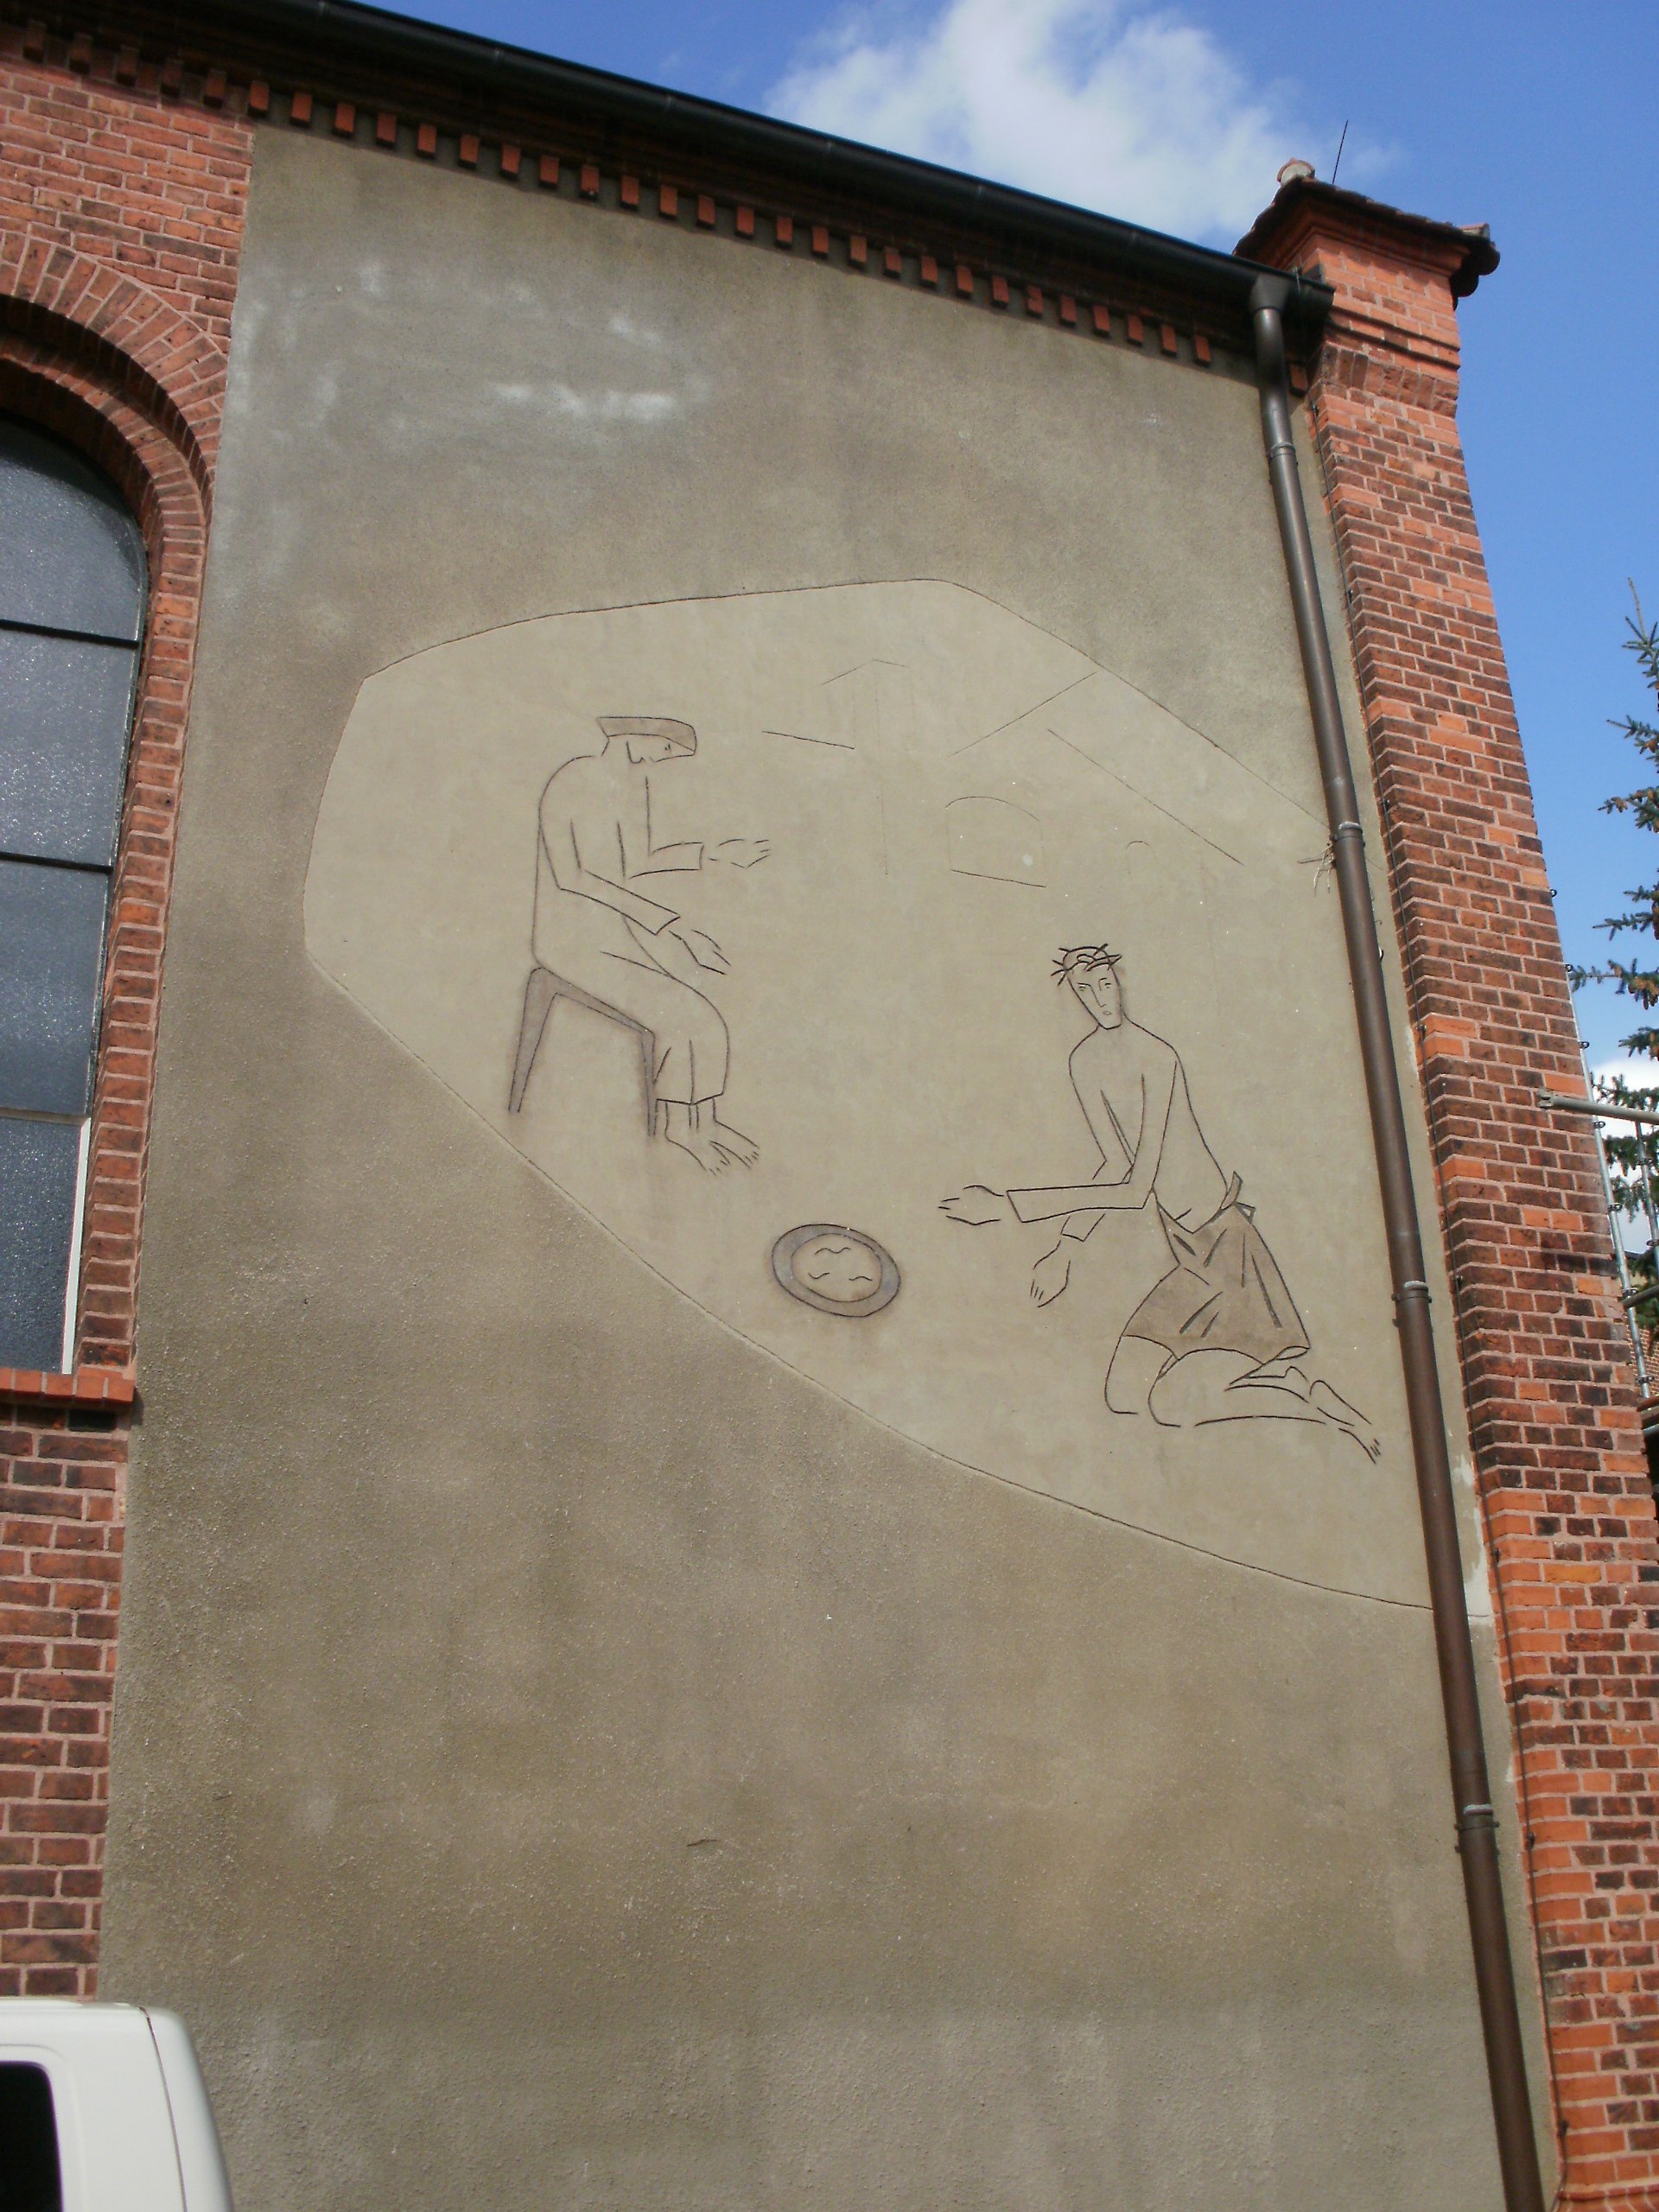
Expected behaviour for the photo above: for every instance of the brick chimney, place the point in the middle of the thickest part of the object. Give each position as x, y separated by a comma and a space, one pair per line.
1566, 1509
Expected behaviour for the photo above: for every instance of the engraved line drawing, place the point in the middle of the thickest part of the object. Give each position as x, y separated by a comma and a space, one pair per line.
995, 840
1180, 823
846, 1074
619, 952
877, 660
800, 738
1219, 1338
1025, 714
840, 1271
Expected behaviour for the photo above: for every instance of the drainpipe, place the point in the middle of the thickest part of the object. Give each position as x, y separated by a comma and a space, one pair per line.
1477, 1828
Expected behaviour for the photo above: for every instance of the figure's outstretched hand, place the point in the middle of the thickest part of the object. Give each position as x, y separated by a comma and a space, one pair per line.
975, 1205
704, 950
1051, 1275
740, 852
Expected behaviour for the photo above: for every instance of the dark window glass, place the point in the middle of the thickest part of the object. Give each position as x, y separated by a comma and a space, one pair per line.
30, 2180
63, 709
39, 1166
72, 606
51, 952
71, 556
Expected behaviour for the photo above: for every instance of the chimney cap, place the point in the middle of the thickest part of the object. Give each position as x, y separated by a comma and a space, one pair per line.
1303, 202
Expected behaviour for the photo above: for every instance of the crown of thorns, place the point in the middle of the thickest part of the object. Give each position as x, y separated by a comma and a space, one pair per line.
1068, 960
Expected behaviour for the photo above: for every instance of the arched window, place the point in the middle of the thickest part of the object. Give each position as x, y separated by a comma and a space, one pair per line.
71, 611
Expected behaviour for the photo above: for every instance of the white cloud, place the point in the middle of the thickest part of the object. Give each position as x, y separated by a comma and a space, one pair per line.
1639, 1074
1108, 104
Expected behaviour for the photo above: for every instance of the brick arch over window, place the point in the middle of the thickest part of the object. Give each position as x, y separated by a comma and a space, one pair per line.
84, 404
119, 348
139, 346
63, 1441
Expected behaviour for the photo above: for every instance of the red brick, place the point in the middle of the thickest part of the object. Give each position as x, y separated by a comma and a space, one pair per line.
129, 228
1543, 1351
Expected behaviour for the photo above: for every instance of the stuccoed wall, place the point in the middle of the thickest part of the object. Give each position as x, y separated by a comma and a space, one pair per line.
593, 1726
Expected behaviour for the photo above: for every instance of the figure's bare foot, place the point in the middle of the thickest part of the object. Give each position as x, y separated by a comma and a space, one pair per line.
694, 1132
699, 1131
1323, 1400
741, 1151
699, 1144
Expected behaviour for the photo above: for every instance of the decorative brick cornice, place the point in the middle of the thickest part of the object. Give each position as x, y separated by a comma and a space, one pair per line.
516, 147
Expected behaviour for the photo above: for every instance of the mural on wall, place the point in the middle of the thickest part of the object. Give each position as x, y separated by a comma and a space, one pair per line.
602, 942
836, 1270
1217, 1338
737, 919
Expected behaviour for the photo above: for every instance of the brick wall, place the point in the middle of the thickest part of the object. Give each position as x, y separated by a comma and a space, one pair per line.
122, 177
1545, 1355
121, 209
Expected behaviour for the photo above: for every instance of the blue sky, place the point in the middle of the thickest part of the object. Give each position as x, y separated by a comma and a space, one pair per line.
1536, 119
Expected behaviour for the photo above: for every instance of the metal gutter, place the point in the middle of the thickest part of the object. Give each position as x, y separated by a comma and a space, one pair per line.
1476, 1822
373, 47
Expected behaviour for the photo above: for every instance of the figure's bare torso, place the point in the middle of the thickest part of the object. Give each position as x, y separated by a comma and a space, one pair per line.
1115, 1073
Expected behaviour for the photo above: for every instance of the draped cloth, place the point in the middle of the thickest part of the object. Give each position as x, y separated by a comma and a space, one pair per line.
1224, 1292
